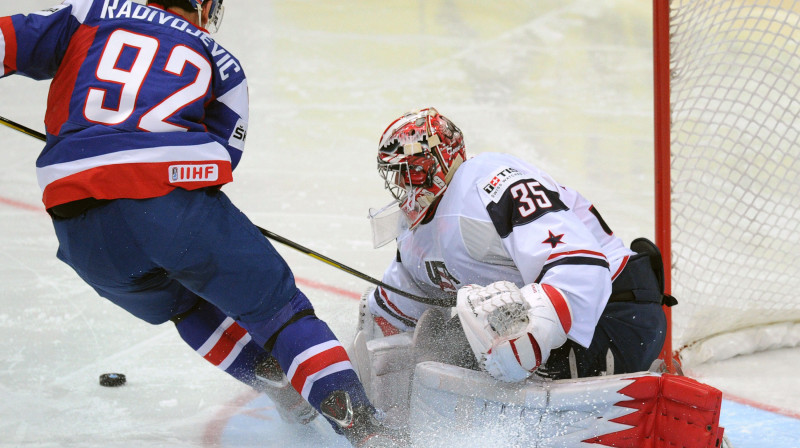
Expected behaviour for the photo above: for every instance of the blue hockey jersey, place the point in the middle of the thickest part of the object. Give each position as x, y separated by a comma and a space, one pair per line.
141, 101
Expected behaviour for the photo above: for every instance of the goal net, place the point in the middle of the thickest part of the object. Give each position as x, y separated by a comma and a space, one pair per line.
728, 182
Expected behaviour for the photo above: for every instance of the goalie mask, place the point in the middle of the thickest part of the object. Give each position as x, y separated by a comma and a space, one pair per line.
419, 153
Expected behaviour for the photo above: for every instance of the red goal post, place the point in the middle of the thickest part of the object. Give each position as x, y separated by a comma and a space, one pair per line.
727, 173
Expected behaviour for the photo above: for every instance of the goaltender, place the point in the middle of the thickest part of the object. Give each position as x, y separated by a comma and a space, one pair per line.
543, 284
540, 285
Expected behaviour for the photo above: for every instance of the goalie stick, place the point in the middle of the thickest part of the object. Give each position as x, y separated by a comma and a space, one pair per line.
449, 301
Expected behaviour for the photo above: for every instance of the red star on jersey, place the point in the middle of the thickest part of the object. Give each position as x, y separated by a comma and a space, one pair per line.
554, 240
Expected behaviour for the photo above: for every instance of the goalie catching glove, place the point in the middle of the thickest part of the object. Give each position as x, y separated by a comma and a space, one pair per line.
512, 330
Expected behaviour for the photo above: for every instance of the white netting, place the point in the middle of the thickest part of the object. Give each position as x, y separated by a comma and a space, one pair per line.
735, 167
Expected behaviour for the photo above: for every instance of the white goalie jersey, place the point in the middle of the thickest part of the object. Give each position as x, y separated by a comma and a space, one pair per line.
504, 219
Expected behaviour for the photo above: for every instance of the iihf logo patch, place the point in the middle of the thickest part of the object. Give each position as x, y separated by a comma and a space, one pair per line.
193, 173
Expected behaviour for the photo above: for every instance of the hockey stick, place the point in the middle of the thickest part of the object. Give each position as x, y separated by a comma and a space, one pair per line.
23, 129
443, 302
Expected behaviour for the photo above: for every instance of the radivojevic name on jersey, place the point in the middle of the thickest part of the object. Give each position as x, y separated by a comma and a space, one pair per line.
115, 9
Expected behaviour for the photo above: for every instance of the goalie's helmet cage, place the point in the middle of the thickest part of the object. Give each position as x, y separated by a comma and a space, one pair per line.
418, 155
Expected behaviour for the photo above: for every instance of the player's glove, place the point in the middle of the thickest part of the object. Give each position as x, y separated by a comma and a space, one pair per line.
512, 330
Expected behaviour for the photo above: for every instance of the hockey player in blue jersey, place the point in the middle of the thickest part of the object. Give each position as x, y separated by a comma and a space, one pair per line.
147, 117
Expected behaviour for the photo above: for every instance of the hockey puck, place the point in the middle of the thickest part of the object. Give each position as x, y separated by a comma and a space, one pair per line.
112, 379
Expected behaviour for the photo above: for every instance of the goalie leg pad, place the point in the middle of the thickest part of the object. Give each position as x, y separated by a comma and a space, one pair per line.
452, 406
385, 367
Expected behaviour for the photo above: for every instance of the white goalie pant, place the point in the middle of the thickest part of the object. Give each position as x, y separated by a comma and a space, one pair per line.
443, 405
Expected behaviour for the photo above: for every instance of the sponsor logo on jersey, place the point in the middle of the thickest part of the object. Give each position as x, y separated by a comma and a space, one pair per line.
193, 173
239, 135
495, 185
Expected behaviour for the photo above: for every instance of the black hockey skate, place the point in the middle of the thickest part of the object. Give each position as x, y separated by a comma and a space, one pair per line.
360, 425
291, 406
